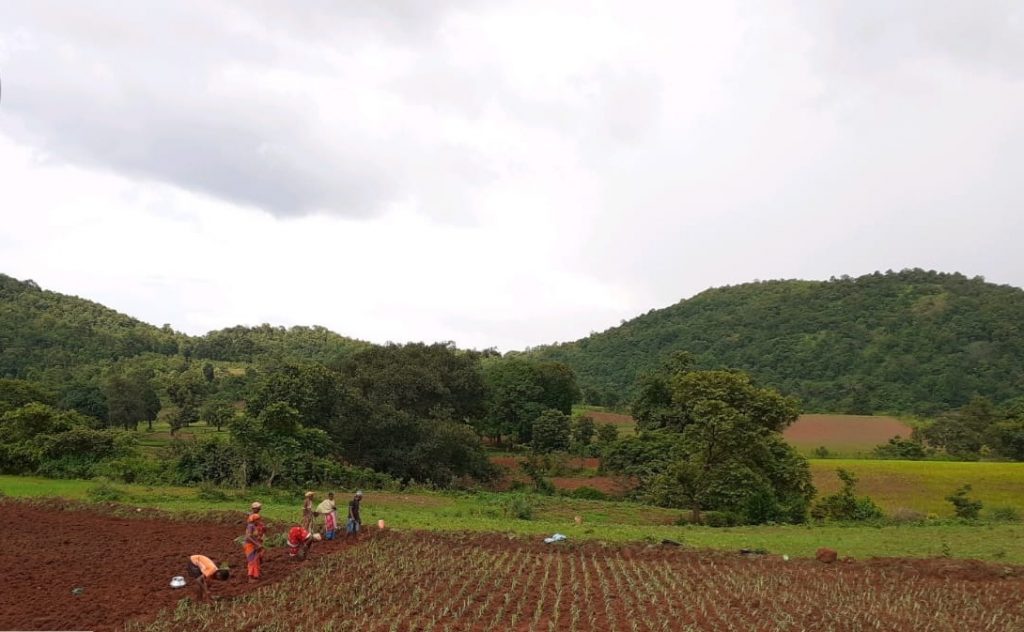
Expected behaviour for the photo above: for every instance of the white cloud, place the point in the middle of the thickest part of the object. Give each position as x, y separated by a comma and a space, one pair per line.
494, 173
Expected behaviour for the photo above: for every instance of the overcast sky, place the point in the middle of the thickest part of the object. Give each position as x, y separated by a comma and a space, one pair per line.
494, 173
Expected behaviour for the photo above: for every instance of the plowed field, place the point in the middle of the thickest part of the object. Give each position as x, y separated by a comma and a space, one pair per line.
844, 433
120, 567
433, 581
417, 581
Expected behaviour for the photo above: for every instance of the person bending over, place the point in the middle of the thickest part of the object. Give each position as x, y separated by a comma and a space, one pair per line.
203, 570
299, 541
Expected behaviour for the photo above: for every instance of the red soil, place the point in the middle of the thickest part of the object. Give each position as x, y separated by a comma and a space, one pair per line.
845, 430
122, 564
418, 581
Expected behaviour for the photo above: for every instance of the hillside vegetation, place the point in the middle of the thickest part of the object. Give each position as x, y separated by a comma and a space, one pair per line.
47, 336
901, 342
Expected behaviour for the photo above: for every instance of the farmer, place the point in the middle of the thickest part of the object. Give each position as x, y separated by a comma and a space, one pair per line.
299, 541
354, 521
202, 569
255, 530
329, 509
307, 512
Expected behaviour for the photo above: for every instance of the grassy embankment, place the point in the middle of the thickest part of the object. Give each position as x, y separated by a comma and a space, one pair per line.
617, 521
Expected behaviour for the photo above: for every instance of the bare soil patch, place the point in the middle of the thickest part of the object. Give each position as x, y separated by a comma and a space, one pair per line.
120, 566
844, 431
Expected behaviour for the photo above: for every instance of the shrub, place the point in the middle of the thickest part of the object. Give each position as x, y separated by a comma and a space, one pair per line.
906, 515
963, 506
210, 493
104, 491
518, 507
68, 466
822, 452
722, 519
133, 469
540, 484
844, 504
588, 493
1004, 514
900, 448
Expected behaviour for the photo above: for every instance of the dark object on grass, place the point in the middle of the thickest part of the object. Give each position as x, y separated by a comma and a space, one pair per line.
668, 542
826, 556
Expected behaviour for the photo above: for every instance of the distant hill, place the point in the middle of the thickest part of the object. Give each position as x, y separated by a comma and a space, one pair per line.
294, 344
46, 336
911, 341
43, 332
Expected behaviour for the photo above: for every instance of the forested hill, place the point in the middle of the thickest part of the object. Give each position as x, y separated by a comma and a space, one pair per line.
911, 341
47, 336
43, 332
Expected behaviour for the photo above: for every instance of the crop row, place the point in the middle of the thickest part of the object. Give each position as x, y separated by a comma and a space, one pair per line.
436, 582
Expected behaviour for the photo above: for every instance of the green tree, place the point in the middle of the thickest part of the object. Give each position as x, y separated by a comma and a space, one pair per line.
186, 391
714, 443
607, 433
131, 399
1007, 438
519, 390
217, 412
435, 381
551, 430
583, 429
17, 393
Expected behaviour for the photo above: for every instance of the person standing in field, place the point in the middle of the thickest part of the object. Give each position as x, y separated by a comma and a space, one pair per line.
203, 570
354, 520
329, 509
307, 512
255, 531
299, 541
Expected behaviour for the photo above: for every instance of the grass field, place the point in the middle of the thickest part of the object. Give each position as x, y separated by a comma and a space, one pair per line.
924, 485
607, 521
160, 435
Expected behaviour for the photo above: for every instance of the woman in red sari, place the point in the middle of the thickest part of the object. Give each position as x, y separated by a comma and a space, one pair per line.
254, 532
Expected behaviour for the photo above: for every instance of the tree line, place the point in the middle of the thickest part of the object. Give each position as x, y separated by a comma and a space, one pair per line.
413, 412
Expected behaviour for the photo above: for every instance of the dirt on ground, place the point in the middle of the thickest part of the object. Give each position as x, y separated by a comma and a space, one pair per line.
68, 567
845, 430
412, 581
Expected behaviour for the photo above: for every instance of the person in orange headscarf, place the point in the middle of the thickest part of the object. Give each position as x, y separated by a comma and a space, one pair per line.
254, 532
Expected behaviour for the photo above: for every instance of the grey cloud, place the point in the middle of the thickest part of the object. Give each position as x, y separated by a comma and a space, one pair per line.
149, 91
873, 34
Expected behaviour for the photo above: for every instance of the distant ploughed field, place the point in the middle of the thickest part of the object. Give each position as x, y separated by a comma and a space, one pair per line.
842, 434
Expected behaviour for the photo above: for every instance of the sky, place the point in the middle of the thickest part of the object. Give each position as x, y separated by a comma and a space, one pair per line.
499, 174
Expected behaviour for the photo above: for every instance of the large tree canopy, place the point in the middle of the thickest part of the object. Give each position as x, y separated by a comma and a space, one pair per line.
519, 390
710, 440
